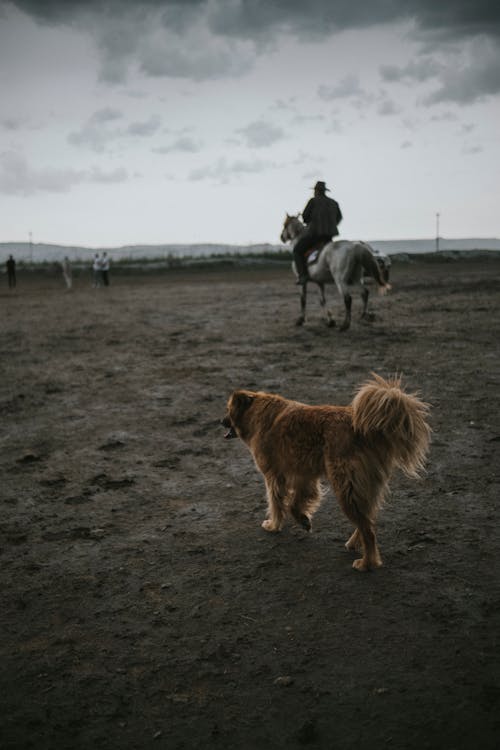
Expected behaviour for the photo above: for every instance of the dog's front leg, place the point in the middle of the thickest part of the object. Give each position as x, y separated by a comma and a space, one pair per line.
306, 498
276, 495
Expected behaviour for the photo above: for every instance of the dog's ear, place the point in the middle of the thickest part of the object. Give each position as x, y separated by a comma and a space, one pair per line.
241, 401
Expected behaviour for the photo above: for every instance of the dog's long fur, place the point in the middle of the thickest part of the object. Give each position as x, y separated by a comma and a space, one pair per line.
355, 447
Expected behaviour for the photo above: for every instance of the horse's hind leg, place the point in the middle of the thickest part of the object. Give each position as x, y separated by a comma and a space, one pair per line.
365, 315
347, 320
303, 302
322, 301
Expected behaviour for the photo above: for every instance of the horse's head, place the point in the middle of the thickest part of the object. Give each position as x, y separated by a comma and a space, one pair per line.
292, 227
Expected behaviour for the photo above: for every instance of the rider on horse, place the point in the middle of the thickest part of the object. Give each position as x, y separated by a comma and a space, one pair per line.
321, 215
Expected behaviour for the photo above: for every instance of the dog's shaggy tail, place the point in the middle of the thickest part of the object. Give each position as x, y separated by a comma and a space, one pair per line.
382, 409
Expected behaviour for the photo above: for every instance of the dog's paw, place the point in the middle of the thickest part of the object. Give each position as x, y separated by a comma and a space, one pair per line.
305, 522
360, 565
269, 526
363, 565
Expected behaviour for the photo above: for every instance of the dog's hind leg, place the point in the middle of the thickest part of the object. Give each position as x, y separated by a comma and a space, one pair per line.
366, 532
361, 511
276, 499
354, 541
305, 501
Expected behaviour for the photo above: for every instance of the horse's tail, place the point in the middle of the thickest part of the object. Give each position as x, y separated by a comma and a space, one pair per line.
372, 268
394, 421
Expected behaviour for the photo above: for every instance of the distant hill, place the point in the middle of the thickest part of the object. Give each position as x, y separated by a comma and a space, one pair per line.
43, 253
394, 247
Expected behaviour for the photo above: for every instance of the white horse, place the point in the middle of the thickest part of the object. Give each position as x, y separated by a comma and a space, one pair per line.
343, 263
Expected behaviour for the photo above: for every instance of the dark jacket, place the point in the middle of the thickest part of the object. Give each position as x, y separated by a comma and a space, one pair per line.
322, 215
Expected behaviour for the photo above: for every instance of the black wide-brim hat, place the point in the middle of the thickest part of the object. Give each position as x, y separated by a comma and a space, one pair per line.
321, 186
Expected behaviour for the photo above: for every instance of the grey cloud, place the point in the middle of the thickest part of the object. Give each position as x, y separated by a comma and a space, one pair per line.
251, 18
445, 117
12, 123
198, 55
224, 171
261, 134
96, 135
184, 144
146, 128
203, 39
335, 126
164, 41
107, 114
263, 18
94, 132
347, 87
17, 177
463, 75
387, 107
416, 70
302, 119
96, 174
472, 150
455, 19
289, 105
471, 82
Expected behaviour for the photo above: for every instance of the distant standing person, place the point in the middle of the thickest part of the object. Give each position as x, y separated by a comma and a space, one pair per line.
67, 272
105, 269
96, 271
11, 271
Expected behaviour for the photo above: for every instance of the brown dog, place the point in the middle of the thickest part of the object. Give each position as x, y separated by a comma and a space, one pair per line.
355, 447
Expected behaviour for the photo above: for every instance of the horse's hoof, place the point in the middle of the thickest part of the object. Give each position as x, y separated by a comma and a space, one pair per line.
369, 317
344, 327
330, 323
299, 322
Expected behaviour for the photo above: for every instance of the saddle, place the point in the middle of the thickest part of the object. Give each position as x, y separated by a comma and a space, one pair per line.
312, 254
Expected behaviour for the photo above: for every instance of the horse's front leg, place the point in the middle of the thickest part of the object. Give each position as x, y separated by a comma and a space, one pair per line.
322, 301
347, 320
303, 301
365, 315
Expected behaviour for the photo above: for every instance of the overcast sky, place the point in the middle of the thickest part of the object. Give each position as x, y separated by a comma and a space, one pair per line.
207, 120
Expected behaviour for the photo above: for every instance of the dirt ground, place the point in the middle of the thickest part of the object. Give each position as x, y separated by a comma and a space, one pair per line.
142, 604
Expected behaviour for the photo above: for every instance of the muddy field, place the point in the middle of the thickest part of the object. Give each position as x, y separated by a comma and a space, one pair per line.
142, 604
